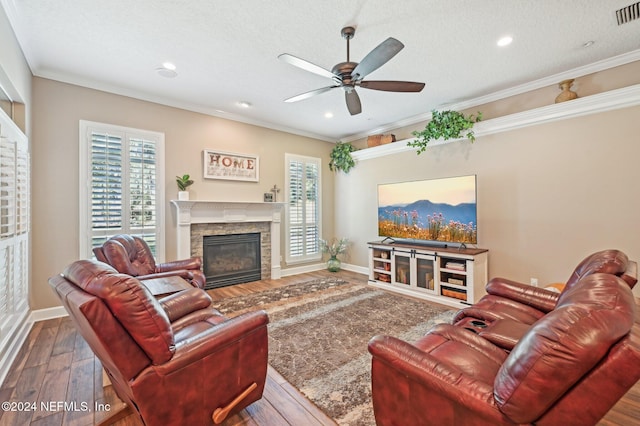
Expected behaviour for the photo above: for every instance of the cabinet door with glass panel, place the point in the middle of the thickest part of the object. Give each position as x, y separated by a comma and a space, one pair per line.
412, 269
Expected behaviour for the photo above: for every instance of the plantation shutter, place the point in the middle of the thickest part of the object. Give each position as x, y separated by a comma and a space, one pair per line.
14, 231
303, 208
123, 194
106, 186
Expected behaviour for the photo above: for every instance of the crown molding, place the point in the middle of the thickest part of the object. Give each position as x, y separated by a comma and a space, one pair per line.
607, 101
602, 65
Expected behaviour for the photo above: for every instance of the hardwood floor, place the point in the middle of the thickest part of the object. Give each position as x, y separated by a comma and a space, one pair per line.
55, 365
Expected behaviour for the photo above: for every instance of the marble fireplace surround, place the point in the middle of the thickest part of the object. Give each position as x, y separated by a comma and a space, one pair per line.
233, 213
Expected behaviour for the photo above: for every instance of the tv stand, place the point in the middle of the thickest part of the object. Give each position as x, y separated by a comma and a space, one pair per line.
454, 276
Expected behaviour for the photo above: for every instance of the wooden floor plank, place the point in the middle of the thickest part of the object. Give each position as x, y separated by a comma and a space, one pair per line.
54, 356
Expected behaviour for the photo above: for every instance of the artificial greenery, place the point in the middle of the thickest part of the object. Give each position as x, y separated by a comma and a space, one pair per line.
341, 157
183, 182
445, 125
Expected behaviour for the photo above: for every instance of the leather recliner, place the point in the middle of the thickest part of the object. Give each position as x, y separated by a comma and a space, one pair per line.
511, 300
131, 255
174, 361
570, 367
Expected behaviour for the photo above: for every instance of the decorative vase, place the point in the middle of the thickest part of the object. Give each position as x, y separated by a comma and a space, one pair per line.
333, 264
566, 94
183, 195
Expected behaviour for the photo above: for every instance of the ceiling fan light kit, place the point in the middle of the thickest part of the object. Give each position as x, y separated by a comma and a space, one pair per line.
347, 75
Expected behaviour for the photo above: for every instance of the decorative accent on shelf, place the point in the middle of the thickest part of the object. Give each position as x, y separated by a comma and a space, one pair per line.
375, 140
334, 248
341, 157
567, 94
275, 190
183, 182
231, 166
446, 125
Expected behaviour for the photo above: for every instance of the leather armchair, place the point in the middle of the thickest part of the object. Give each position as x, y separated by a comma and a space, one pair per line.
175, 360
570, 367
131, 255
511, 300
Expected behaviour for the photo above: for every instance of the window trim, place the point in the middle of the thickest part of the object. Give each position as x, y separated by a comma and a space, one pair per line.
84, 182
318, 162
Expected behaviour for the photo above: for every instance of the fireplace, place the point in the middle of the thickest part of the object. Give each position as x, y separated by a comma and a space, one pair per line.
198, 219
231, 259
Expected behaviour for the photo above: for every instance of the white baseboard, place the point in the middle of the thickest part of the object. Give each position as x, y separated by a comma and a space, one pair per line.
13, 344
303, 269
48, 313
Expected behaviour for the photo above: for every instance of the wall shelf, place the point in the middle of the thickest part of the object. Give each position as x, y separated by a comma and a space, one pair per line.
607, 101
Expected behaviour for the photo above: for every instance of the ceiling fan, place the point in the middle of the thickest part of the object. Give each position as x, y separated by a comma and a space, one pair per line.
348, 75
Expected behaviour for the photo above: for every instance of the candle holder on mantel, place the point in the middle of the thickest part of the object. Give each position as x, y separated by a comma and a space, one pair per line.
567, 94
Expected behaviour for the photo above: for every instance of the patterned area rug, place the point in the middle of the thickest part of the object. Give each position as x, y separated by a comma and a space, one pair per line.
318, 335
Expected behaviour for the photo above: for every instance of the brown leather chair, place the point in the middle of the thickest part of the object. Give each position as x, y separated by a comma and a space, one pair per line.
131, 255
511, 300
570, 367
174, 361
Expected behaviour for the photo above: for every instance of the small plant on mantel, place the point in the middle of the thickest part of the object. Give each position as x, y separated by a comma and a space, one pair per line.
341, 158
445, 125
183, 182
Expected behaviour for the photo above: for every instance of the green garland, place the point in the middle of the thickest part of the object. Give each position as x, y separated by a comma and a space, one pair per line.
445, 125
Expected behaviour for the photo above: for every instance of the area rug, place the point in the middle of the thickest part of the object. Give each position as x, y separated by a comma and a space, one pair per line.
318, 335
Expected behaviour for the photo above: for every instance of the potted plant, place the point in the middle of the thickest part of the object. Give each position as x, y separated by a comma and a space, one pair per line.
445, 125
341, 157
183, 182
334, 248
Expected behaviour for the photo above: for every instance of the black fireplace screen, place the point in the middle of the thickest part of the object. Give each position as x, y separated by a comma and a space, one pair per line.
231, 259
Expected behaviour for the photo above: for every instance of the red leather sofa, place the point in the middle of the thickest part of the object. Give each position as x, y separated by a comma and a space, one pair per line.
570, 366
174, 361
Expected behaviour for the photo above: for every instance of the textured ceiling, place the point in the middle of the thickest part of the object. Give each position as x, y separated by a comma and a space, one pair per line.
226, 51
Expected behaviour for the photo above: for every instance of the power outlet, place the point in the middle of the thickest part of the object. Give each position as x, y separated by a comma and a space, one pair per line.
534, 282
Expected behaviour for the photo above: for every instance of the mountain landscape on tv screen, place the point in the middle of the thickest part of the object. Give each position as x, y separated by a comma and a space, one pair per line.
423, 219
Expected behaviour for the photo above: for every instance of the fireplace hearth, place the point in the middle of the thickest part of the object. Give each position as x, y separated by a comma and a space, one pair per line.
231, 259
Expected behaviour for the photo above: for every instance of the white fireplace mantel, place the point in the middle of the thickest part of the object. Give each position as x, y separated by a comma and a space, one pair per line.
196, 211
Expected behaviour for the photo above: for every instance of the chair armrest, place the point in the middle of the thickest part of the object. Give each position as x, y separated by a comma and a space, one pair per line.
539, 298
184, 302
189, 264
216, 339
182, 273
427, 375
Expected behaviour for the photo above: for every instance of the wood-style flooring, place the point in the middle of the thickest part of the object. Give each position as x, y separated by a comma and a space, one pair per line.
55, 364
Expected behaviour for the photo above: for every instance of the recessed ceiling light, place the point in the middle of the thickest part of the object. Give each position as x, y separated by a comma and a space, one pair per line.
328, 114
504, 41
165, 72
244, 104
589, 43
168, 66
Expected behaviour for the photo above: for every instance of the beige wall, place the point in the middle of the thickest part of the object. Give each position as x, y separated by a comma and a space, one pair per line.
58, 107
548, 195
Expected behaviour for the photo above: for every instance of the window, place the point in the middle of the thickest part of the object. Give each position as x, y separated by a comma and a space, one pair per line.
121, 185
303, 207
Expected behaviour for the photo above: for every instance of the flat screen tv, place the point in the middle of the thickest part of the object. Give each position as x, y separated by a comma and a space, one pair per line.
434, 210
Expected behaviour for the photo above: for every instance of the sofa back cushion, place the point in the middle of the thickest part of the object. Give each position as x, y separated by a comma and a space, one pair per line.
606, 261
563, 346
131, 303
129, 255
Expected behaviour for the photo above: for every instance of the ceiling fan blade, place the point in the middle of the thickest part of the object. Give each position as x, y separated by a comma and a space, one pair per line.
392, 86
353, 102
307, 95
377, 58
307, 66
